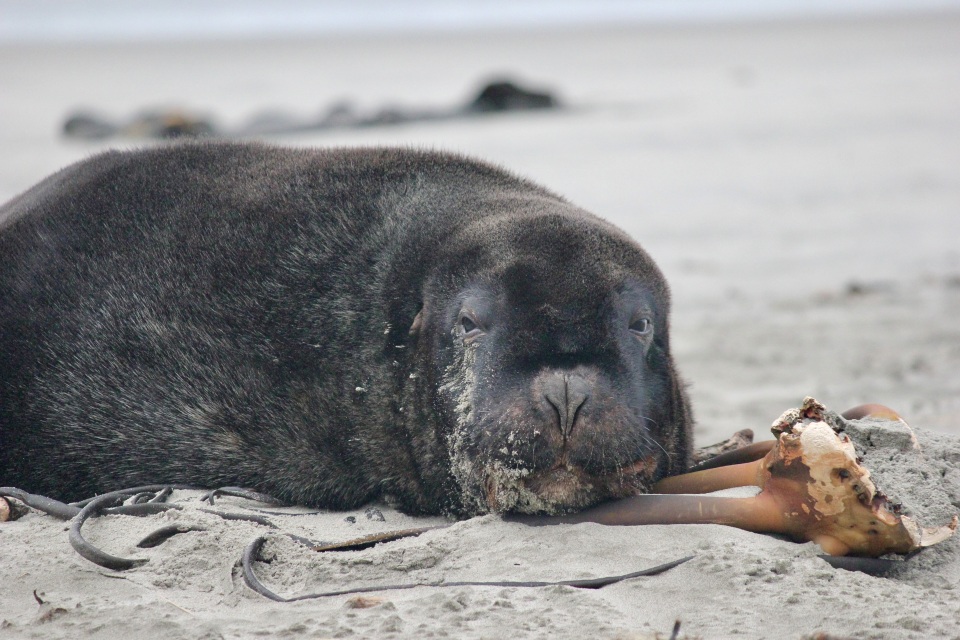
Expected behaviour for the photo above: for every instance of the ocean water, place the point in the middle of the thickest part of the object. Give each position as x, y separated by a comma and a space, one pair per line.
118, 20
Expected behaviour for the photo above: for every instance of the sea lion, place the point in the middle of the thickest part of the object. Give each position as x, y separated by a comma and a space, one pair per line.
330, 327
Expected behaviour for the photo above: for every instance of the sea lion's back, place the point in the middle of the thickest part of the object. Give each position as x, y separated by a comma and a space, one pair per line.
182, 298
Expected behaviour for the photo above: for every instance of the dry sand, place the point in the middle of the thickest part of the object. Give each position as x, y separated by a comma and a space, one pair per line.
738, 584
798, 183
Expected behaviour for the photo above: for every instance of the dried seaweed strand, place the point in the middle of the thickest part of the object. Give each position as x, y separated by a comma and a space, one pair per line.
100, 505
239, 492
132, 490
358, 544
252, 554
245, 517
44, 504
163, 534
871, 566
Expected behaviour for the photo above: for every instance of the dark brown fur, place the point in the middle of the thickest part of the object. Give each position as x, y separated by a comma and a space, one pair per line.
330, 326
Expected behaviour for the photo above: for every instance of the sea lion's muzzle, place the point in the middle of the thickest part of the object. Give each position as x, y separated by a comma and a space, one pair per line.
572, 440
566, 393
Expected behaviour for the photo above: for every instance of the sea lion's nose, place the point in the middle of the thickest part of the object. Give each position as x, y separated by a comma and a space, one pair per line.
567, 393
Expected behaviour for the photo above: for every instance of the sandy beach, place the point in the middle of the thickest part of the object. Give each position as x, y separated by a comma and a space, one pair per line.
798, 183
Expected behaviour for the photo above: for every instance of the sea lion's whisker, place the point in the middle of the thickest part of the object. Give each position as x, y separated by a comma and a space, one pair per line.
650, 440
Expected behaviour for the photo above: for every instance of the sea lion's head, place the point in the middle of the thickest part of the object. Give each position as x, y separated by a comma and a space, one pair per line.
546, 334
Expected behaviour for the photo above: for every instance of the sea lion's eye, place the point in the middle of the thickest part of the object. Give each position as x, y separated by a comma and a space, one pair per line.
641, 326
469, 326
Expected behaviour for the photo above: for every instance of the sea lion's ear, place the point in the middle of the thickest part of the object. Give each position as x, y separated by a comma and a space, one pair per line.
417, 323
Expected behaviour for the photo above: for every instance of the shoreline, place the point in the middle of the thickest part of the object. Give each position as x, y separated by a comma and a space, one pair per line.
106, 21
